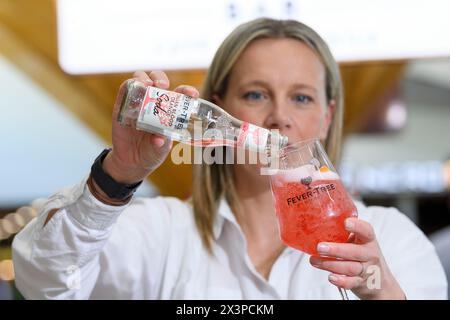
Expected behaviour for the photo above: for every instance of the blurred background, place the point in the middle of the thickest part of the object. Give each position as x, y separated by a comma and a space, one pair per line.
62, 61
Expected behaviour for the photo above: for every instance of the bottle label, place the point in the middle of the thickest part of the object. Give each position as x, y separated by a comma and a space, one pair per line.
166, 109
252, 137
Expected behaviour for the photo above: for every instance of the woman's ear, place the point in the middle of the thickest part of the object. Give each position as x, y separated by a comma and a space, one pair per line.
328, 119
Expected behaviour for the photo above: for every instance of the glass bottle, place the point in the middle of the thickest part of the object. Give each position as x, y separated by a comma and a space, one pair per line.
193, 121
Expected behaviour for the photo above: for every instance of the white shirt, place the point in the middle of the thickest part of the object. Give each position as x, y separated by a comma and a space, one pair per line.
150, 249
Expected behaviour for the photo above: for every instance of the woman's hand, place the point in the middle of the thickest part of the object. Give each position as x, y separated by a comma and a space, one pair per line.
135, 154
359, 264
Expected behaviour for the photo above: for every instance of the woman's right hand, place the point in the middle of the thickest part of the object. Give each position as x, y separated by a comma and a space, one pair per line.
135, 154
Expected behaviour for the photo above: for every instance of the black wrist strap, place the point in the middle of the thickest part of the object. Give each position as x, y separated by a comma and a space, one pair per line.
107, 184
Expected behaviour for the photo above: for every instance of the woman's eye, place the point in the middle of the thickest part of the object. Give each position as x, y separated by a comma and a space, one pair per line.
302, 98
254, 95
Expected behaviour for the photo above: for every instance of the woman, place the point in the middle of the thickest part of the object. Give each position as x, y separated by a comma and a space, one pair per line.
95, 242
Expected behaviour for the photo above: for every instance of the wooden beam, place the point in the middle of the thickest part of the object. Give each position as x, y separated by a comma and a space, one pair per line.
364, 83
52, 79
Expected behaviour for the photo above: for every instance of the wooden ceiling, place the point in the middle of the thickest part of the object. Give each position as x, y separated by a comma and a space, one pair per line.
28, 40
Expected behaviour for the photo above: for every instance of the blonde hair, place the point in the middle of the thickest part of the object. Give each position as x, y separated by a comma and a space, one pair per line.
212, 182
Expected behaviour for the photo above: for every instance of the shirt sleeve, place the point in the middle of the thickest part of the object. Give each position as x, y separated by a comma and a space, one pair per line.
60, 260
410, 256
65, 258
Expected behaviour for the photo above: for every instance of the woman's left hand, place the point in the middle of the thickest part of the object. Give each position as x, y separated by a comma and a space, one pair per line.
359, 264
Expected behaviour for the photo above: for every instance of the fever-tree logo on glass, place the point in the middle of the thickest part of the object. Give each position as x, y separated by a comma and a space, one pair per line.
306, 181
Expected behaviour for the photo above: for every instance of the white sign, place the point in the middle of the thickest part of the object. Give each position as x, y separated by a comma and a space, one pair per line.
101, 36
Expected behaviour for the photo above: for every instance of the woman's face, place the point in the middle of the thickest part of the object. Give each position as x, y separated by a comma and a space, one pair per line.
280, 84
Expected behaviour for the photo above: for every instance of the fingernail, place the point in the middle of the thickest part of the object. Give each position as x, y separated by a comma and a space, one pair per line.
349, 224
316, 263
323, 248
161, 82
333, 278
159, 142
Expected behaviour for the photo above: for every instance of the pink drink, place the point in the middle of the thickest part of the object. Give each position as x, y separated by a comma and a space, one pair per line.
312, 211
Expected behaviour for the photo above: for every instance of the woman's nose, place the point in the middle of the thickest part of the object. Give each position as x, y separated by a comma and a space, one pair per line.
278, 118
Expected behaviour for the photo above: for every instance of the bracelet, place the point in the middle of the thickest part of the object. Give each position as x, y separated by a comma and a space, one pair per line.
100, 196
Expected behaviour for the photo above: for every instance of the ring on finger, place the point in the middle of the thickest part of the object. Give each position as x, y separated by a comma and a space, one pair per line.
363, 270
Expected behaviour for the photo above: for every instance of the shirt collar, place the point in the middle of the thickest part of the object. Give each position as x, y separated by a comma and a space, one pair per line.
223, 213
